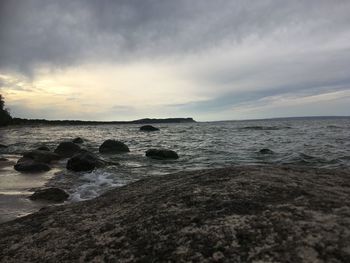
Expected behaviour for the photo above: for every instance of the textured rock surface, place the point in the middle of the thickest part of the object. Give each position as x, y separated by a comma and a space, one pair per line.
31, 166
161, 154
67, 149
41, 156
266, 151
148, 128
84, 161
43, 148
239, 214
51, 194
78, 140
113, 146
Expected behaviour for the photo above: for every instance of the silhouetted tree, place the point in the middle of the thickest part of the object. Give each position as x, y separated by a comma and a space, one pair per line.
2, 103
5, 117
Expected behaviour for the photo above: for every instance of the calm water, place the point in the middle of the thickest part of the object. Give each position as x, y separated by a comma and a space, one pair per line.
317, 143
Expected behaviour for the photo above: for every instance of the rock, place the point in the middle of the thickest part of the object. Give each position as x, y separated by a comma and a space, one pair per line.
50, 194
29, 165
41, 156
113, 146
161, 154
84, 162
266, 151
67, 149
235, 214
3, 146
3, 159
148, 128
78, 140
43, 148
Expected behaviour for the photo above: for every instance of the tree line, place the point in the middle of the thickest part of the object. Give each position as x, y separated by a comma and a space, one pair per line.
5, 117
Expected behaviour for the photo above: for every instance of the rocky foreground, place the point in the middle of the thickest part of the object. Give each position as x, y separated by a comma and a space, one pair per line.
238, 214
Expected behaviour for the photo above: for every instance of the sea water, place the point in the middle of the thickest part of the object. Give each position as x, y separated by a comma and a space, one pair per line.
318, 142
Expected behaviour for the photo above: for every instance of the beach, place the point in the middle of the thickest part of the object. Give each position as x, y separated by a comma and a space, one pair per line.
236, 214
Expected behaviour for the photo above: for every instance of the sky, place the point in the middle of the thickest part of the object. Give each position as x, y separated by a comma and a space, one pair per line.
210, 60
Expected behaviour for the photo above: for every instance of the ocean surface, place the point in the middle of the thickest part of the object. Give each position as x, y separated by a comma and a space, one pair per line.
308, 142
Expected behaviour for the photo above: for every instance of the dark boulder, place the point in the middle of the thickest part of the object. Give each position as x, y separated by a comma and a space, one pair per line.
29, 165
3, 146
41, 156
148, 128
161, 154
50, 194
266, 151
78, 140
43, 148
67, 149
113, 146
85, 161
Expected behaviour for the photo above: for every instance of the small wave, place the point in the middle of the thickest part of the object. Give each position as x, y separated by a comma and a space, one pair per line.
305, 159
334, 127
93, 185
264, 128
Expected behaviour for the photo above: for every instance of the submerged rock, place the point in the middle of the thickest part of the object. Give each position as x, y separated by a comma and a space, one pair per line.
29, 165
237, 214
161, 154
78, 140
85, 161
41, 156
148, 128
3, 146
266, 151
44, 148
50, 194
67, 149
113, 146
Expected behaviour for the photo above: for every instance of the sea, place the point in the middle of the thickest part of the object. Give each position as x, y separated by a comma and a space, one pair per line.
307, 142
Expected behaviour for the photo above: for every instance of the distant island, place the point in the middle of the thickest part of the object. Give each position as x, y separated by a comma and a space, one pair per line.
20, 121
7, 119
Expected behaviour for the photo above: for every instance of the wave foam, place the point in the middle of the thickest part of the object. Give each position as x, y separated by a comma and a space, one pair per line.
93, 185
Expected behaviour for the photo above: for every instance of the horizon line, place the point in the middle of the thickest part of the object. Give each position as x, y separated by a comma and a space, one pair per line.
184, 118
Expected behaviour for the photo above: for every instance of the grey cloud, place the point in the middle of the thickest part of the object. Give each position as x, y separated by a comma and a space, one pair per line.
230, 100
304, 45
15, 84
62, 33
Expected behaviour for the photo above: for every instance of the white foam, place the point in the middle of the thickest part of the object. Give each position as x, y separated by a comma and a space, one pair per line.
93, 185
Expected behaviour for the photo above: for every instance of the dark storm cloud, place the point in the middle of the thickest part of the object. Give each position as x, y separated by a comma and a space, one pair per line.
59, 33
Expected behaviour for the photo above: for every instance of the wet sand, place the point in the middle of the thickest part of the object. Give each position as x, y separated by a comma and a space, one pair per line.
15, 188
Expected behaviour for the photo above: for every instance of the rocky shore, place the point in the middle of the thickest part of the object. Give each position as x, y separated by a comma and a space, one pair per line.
237, 214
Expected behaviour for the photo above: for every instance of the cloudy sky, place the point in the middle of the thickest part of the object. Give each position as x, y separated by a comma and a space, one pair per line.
211, 60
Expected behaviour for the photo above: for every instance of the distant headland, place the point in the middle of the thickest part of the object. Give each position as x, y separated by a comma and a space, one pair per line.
20, 121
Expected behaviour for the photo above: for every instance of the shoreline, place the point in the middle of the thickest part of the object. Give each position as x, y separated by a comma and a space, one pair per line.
240, 213
14, 201
20, 122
